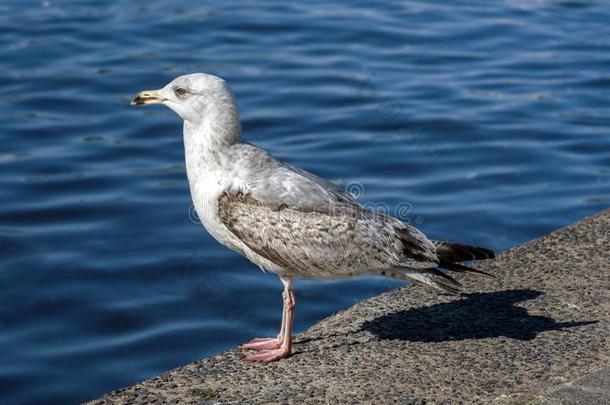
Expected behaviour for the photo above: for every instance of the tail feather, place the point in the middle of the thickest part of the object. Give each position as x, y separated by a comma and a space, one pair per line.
432, 277
449, 252
438, 280
449, 255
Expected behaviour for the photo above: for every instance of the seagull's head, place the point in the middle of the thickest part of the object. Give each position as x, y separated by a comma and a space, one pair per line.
192, 97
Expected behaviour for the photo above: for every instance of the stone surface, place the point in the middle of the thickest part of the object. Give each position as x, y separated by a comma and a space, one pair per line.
539, 333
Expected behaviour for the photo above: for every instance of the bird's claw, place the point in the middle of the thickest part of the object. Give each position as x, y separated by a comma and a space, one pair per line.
267, 356
259, 344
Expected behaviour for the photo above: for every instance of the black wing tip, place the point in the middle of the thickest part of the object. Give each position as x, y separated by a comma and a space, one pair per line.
460, 268
445, 282
479, 252
488, 252
450, 252
448, 288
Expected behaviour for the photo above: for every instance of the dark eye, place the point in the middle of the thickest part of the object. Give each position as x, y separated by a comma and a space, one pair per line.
181, 91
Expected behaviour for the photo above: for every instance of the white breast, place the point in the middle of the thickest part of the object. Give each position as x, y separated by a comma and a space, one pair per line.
212, 172
206, 185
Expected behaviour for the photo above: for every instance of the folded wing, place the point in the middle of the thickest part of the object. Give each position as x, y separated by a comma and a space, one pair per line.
337, 240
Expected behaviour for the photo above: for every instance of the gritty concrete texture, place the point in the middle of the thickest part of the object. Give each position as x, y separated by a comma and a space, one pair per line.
537, 334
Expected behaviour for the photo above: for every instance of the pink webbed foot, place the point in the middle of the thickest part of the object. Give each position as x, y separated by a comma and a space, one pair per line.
267, 356
272, 349
263, 344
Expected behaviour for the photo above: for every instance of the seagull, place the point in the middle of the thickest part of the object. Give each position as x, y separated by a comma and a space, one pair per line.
286, 220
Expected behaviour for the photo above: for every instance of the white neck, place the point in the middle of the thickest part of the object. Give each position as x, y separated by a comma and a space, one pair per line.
207, 143
216, 131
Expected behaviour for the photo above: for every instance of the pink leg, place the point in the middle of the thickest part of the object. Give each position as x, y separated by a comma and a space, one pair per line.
275, 349
268, 343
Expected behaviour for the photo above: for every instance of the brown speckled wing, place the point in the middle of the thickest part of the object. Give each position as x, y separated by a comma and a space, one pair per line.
316, 244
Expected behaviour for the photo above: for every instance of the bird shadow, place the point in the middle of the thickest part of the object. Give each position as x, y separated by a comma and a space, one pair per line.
478, 316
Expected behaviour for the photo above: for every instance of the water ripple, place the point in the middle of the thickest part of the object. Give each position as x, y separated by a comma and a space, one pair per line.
490, 121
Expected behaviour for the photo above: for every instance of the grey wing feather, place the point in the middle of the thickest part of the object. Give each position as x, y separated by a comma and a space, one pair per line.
277, 184
326, 185
308, 225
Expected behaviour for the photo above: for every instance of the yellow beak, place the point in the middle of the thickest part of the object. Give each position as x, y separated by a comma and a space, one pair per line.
147, 97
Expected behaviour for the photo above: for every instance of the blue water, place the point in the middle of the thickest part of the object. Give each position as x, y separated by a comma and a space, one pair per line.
482, 122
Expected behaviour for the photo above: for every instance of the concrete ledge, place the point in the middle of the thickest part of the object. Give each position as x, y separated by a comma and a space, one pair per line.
539, 334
